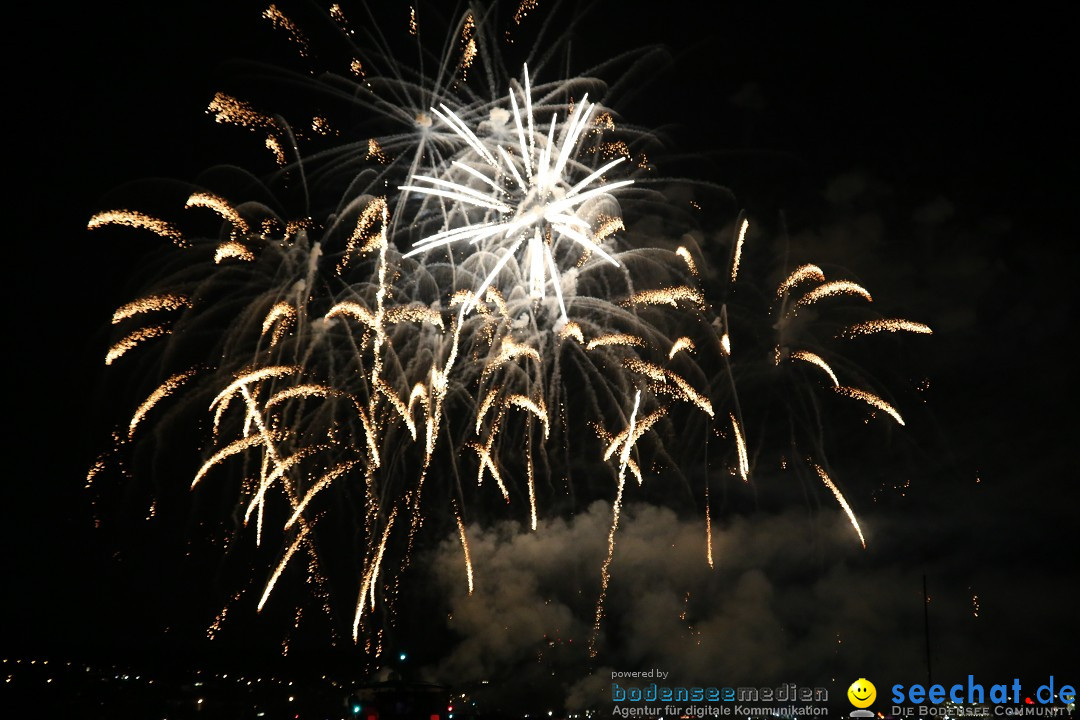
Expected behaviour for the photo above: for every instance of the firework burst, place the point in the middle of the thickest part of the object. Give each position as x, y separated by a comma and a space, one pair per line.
497, 313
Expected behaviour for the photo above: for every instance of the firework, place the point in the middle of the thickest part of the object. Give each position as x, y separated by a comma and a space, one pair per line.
469, 314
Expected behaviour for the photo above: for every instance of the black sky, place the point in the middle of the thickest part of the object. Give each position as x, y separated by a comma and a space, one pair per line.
917, 109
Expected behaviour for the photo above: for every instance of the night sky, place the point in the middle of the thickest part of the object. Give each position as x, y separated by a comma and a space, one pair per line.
931, 153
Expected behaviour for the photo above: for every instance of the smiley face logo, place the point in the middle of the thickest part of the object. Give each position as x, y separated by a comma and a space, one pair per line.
862, 693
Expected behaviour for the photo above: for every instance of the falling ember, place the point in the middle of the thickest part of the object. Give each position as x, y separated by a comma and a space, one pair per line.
688, 259
708, 530
615, 339
281, 22
365, 236
738, 250
132, 340
524, 9
813, 359
871, 400
801, 274
281, 566
280, 319
740, 446
465, 549
833, 289
886, 325
274, 146
163, 391
233, 250
572, 330
683, 343
221, 207
616, 509
323, 483
842, 500
151, 303
375, 152
666, 296
138, 220
468, 45
228, 110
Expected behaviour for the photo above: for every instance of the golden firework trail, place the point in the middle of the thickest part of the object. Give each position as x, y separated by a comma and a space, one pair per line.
616, 509
842, 500
872, 400
738, 250
151, 303
133, 339
163, 391
138, 220
814, 359
886, 325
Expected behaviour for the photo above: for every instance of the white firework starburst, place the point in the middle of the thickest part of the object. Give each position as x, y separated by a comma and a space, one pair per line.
530, 197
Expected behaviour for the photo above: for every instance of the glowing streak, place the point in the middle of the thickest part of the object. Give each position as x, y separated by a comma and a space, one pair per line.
832, 289
666, 296
414, 313
151, 303
842, 500
234, 250
364, 237
163, 391
665, 379
871, 400
281, 318
353, 310
531, 406
271, 371
801, 274
629, 437
281, 22
615, 339
725, 344
234, 448
740, 445
813, 359
510, 350
683, 343
688, 259
280, 468
616, 509
229, 110
886, 325
465, 549
222, 208
367, 586
306, 390
489, 400
572, 330
738, 250
396, 403
281, 566
708, 530
140, 221
133, 339
323, 483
